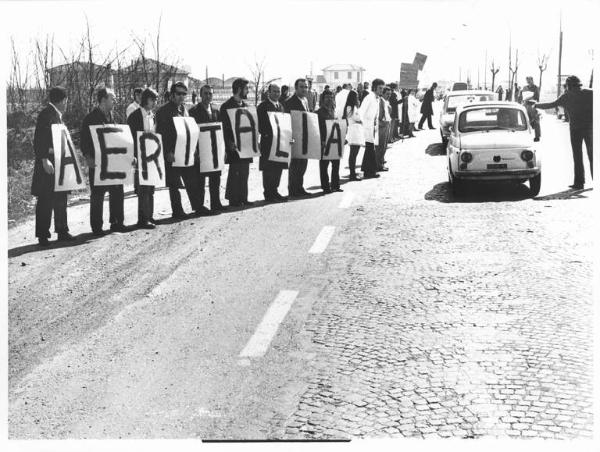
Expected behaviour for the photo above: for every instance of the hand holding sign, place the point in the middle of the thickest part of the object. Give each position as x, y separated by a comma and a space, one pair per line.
66, 169
48, 167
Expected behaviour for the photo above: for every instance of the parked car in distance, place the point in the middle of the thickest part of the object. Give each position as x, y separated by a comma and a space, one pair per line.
460, 86
492, 141
454, 99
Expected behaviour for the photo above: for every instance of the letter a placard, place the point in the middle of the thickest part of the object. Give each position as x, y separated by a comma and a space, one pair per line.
305, 132
244, 124
281, 147
113, 154
149, 161
67, 171
336, 136
211, 147
187, 140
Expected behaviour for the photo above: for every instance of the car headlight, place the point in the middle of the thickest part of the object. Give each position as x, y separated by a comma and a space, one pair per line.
466, 157
527, 155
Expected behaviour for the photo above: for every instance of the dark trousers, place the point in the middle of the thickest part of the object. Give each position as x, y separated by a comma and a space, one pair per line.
236, 189
115, 205
383, 142
393, 135
145, 203
335, 174
354, 148
422, 121
191, 181
46, 204
271, 180
296, 176
578, 136
214, 188
369, 162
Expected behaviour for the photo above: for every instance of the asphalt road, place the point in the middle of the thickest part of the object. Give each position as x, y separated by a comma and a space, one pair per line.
414, 314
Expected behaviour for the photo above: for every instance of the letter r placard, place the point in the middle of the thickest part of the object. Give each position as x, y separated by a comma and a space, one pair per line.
113, 154
67, 171
150, 161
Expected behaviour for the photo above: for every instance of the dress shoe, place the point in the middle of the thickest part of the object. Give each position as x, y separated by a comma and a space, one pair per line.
536, 139
203, 212
384, 168
280, 197
178, 215
236, 203
327, 190
119, 228
99, 232
339, 190
305, 193
65, 237
370, 176
576, 186
355, 178
43, 241
152, 220
218, 208
248, 203
145, 226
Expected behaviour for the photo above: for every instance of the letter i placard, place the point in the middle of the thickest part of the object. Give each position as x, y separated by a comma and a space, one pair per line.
187, 140
67, 171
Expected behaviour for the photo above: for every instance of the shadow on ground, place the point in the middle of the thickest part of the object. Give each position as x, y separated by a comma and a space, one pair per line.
564, 195
435, 149
479, 192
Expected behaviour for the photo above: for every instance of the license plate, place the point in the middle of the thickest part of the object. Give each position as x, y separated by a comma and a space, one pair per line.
496, 166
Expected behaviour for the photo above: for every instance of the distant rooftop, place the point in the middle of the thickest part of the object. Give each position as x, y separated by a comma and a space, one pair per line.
344, 67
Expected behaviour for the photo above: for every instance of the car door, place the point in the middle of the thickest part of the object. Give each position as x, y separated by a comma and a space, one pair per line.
453, 148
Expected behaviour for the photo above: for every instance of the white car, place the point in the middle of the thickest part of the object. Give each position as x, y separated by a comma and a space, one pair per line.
455, 99
492, 141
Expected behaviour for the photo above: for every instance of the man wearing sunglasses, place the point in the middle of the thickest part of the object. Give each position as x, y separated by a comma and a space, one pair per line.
165, 126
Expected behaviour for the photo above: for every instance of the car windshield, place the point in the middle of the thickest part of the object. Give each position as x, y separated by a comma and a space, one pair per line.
457, 101
503, 118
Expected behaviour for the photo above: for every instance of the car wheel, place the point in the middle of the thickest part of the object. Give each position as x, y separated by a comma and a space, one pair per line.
535, 183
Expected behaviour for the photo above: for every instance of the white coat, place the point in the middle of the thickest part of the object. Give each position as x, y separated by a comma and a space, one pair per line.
369, 111
414, 108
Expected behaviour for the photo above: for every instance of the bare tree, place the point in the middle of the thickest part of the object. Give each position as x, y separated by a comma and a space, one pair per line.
18, 81
494, 70
542, 66
257, 70
513, 75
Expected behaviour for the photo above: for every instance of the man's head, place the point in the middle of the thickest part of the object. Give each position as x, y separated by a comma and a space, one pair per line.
58, 97
240, 88
529, 80
393, 86
328, 99
206, 94
148, 98
387, 92
301, 87
573, 83
434, 86
178, 93
137, 95
326, 88
106, 99
366, 85
377, 86
309, 82
359, 87
274, 92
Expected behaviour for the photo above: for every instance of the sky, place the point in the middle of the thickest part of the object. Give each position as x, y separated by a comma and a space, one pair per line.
293, 36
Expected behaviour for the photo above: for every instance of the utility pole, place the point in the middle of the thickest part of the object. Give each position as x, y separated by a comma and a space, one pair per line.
206, 75
485, 71
478, 84
560, 42
509, 62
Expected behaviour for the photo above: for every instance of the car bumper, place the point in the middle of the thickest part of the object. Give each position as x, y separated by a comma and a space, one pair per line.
498, 174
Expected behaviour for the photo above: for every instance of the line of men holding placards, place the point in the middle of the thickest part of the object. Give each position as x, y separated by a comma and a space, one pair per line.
181, 149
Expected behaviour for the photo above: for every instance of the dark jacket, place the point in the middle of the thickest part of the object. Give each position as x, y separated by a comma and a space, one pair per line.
202, 116
135, 121
294, 103
165, 126
426, 106
324, 114
579, 105
266, 135
394, 104
231, 154
43, 182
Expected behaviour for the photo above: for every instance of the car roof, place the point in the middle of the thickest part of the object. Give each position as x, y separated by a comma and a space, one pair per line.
491, 103
467, 92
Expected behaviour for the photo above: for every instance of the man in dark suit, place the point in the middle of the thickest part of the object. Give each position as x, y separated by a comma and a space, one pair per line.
298, 166
142, 120
165, 126
102, 114
236, 190
271, 170
394, 102
42, 184
204, 112
427, 107
327, 111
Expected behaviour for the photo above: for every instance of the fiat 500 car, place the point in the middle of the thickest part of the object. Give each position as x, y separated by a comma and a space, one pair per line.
455, 99
492, 141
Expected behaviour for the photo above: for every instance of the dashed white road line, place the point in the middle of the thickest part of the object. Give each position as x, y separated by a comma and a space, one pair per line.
346, 200
258, 344
322, 240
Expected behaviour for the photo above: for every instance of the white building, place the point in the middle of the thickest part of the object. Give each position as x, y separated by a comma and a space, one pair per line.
339, 74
